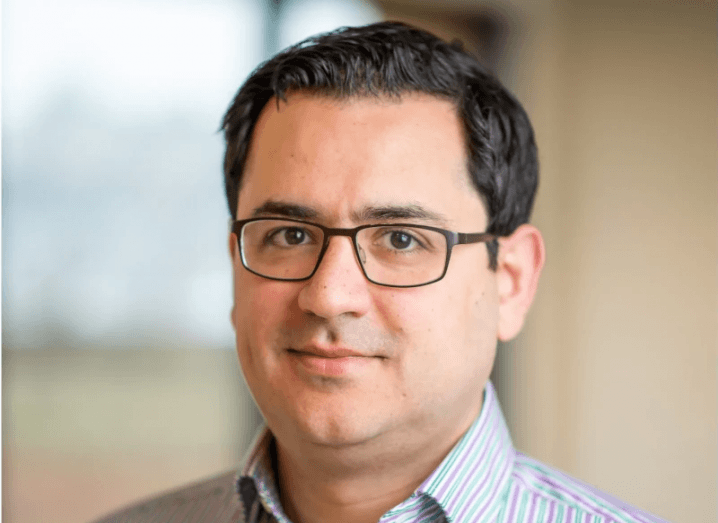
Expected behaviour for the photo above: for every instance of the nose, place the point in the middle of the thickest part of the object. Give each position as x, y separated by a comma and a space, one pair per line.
338, 286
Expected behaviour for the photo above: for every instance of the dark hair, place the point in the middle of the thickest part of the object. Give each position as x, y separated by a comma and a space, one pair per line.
388, 59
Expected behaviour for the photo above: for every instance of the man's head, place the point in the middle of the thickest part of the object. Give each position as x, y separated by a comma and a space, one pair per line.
388, 60
382, 125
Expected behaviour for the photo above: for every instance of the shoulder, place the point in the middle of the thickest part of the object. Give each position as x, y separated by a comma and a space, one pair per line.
214, 499
556, 496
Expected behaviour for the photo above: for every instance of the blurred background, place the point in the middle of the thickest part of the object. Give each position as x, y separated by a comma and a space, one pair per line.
119, 375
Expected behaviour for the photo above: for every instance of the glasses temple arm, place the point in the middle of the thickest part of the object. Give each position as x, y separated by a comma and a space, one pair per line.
462, 238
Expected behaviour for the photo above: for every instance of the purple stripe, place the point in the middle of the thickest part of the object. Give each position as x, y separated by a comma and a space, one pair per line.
486, 418
598, 509
551, 511
532, 508
588, 502
410, 506
512, 505
466, 472
449, 478
481, 470
474, 438
482, 487
498, 438
503, 472
477, 462
421, 509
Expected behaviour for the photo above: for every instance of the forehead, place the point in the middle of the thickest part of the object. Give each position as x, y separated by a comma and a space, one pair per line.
339, 156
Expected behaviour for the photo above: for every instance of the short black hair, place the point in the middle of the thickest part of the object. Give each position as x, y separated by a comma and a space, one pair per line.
389, 59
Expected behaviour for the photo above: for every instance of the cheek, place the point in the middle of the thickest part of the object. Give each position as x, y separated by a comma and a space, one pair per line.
445, 331
260, 307
424, 323
426, 313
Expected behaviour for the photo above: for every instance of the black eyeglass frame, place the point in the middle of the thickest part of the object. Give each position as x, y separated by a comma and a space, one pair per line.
452, 239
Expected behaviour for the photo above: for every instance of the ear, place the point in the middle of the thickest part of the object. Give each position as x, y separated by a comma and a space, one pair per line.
234, 256
520, 260
233, 248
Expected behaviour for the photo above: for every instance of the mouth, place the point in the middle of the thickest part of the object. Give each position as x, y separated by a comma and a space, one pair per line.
334, 361
330, 352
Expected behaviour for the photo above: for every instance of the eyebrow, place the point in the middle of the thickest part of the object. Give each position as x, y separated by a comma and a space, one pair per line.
290, 210
370, 213
398, 212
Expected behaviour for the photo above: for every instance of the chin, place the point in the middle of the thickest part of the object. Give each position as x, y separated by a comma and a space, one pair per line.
341, 438
342, 430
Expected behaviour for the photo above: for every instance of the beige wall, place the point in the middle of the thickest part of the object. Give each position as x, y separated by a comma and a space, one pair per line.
614, 378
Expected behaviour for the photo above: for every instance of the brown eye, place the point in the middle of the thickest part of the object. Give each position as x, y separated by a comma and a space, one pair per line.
288, 237
400, 240
294, 236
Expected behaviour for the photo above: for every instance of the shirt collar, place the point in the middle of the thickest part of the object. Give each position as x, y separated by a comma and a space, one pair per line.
259, 470
469, 484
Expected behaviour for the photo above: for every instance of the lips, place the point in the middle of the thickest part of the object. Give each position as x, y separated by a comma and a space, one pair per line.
329, 361
329, 352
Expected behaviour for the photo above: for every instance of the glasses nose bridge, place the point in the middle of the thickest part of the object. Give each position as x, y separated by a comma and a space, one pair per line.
329, 233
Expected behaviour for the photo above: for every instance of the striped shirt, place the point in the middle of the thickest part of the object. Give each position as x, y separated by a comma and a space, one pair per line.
482, 479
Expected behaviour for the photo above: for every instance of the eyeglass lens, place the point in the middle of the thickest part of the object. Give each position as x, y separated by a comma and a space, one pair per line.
390, 255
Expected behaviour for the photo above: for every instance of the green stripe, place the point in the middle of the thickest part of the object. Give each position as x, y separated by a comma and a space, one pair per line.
541, 509
523, 505
573, 488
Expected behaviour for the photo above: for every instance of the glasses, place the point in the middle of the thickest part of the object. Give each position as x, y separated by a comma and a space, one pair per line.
392, 255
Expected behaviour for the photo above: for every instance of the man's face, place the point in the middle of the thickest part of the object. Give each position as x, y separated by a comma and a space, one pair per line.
423, 354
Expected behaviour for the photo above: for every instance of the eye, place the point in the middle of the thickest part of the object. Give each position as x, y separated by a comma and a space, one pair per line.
401, 240
289, 236
294, 236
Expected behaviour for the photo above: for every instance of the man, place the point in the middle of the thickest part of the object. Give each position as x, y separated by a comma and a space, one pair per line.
380, 182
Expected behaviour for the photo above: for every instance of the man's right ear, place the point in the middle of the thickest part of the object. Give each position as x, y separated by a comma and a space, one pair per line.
233, 248
234, 255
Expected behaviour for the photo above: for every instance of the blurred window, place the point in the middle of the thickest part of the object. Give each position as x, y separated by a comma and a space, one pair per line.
114, 218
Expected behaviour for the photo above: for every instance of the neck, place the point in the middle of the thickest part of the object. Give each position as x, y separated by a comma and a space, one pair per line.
361, 498
359, 483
